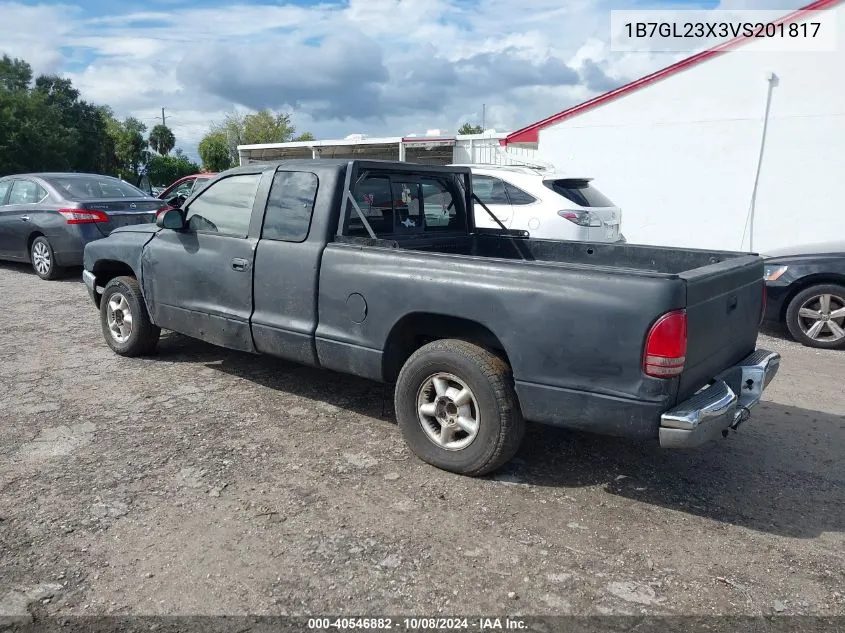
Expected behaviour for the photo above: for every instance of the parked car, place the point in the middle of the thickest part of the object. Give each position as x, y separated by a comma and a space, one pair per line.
547, 204
626, 340
184, 187
47, 219
806, 287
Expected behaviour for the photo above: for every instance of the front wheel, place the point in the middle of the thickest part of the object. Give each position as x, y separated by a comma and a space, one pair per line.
126, 324
457, 407
816, 316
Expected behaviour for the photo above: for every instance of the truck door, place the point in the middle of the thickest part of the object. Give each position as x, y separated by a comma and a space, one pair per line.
198, 280
287, 264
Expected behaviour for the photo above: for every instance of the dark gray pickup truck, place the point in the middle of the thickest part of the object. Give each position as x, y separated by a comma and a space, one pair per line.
376, 269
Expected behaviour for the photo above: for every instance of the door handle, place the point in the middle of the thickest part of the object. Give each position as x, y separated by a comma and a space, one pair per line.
25, 218
239, 264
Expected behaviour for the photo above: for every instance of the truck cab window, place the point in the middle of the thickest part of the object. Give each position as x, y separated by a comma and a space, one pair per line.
289, 206
400, 205
407, 210
374, 197
440, 209
225, 207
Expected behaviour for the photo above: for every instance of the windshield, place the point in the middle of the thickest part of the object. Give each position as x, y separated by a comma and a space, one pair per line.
96, 187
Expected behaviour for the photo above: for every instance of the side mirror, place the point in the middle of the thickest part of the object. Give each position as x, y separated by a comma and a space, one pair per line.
171, 219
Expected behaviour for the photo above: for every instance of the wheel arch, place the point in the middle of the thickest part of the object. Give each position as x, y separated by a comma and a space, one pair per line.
107, 269
416, 329
34, 235
800, 285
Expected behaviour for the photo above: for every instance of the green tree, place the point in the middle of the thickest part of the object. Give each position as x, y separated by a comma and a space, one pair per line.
84, 126
266, 127
214, 151
163, 170
263, 126
162, 139
15, 74
32, 137
130, 147
468, 128
45, 126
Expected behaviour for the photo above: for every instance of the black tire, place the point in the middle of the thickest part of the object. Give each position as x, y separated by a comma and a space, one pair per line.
500, 427
794, 321
142, 336
43, 259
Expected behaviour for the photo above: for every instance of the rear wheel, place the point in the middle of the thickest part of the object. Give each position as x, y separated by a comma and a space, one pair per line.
816, 316
457, 408
43, 259
126, 324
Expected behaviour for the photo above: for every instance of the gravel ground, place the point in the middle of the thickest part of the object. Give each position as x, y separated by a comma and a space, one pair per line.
203, 481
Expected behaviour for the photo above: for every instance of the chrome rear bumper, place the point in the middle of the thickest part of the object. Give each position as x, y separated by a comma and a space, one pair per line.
724, 404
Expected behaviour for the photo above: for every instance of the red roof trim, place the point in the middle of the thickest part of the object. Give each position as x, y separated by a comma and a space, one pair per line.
531, 133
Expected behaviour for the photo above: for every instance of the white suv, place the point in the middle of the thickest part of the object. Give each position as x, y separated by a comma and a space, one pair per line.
547, 204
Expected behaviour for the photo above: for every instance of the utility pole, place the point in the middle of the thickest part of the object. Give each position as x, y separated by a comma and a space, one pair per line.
483, 117
163, 120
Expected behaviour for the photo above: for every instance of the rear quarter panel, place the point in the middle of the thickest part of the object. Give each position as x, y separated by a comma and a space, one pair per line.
579, 329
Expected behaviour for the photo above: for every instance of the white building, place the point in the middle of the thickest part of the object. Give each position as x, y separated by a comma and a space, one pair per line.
728, 149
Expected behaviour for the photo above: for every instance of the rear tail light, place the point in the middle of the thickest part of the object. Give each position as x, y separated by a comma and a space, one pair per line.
83, 216
581, 218
666, 346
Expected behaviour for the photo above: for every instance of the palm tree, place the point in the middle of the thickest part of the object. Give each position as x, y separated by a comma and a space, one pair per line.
162, 139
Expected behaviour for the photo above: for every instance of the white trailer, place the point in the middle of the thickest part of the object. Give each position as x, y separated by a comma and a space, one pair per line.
433, 149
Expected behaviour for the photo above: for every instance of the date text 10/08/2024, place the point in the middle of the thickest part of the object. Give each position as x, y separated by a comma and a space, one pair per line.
418, 624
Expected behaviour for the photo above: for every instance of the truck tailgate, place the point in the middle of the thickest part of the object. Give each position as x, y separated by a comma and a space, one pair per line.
724, 304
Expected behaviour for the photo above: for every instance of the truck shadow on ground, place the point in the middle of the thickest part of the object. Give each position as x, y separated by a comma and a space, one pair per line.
782, 473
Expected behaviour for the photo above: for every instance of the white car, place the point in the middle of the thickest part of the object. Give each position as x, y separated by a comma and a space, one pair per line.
549, 205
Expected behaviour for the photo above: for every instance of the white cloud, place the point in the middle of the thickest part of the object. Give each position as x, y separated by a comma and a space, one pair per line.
373, 66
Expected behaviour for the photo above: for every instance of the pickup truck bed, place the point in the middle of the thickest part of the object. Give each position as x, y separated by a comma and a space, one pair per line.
570, 318
615, 339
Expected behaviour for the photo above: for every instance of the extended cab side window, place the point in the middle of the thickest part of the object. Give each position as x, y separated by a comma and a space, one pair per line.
290, 206
224, 207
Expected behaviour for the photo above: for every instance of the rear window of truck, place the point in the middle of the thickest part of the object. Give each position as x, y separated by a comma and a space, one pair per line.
579, 191
396, 205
